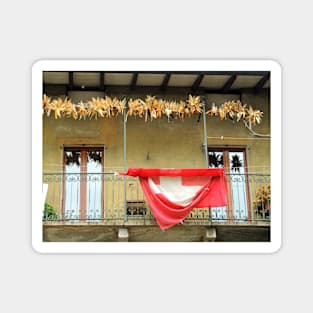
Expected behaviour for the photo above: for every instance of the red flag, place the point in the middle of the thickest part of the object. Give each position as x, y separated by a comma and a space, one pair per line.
173, 193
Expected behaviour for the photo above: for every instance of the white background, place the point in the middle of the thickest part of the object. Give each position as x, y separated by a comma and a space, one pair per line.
33, 30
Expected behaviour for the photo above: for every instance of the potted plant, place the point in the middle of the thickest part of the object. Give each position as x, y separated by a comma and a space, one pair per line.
49, 212
262, 203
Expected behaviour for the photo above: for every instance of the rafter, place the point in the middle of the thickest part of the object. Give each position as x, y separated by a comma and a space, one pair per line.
70, 84
102, 81
197, 82
260, 84
134, 81
166, 81
70, 79
229, 83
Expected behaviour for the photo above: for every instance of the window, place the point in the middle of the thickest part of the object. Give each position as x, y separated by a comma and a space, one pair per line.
83, 184
235, 164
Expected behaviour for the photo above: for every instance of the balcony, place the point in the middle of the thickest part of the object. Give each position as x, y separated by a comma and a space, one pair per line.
109, 199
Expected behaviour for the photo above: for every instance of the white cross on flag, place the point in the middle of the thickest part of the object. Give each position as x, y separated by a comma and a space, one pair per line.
173, 193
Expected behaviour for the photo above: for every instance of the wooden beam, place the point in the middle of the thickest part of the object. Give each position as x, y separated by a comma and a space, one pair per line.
215, 73
229, 83
134, 81
197, 82
166, 81
260, 84
145, 89
102, 81
70, 82
70, 79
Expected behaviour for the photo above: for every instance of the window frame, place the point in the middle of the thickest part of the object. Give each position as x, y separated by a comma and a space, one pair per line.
226, 149
83, 182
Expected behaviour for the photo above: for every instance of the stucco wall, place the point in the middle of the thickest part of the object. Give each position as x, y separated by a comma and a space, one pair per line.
158, 143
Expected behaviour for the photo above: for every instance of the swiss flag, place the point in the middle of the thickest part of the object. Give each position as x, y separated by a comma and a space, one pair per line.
173, 193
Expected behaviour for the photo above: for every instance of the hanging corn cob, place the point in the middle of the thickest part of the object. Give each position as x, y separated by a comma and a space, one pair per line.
150, 108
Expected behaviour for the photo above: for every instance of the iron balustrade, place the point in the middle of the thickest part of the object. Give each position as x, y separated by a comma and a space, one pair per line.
112, 199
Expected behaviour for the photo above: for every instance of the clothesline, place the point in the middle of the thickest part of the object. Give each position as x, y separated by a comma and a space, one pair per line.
237, 138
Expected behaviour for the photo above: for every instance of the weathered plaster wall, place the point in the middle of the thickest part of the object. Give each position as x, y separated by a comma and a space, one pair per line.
258, 149
158, 143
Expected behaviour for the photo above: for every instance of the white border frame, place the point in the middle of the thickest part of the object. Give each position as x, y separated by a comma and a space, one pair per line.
156, 65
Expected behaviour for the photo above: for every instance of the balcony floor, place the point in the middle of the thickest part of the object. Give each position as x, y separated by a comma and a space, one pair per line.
79, 232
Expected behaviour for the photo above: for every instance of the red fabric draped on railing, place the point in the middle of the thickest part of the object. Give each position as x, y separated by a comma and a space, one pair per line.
173, 193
